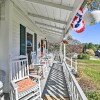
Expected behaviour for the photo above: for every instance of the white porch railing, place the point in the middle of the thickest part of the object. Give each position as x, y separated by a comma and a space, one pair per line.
72, 63
75, 91
19, 68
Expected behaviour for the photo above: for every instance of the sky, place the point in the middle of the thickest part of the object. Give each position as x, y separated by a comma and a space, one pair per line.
90, 34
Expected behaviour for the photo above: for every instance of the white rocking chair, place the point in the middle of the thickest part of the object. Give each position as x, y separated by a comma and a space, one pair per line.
36, 67
23, 85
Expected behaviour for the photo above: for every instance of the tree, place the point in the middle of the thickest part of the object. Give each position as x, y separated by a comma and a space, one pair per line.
90, 46
98, 47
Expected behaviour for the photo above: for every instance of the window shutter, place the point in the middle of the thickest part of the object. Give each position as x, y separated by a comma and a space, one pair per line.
22, 40
35, 43
46, 45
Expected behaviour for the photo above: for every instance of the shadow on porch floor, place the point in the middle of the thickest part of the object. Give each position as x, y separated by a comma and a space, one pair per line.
55, 88
6, 96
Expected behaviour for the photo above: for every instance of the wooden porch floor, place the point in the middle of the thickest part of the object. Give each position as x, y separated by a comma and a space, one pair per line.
6, 96
55, 88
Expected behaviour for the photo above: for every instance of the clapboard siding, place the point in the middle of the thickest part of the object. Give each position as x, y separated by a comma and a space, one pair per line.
16, 38
20, 18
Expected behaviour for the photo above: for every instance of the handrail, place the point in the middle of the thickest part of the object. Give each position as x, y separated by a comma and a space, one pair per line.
70, 60
74, 89
73, 64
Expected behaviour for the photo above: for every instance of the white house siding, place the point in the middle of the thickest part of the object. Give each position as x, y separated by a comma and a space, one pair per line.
5, 26
10, 35
20, 18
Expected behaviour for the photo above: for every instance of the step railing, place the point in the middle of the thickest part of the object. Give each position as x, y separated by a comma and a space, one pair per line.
74, 89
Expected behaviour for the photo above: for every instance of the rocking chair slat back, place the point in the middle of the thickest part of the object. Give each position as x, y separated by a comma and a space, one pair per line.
19, 68
23, 86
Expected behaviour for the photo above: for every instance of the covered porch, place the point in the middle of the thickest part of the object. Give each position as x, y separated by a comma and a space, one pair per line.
58, 83
31, 25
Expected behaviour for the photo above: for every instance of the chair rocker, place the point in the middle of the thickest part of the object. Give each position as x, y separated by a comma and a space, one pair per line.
36, 67
23, 85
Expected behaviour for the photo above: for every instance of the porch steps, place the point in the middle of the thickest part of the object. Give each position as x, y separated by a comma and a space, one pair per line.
56, 88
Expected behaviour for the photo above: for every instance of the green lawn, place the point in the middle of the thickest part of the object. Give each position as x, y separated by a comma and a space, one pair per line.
89, 78
89, 61
92, 73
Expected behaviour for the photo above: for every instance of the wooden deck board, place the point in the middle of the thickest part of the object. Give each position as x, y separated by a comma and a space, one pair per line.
48, 97
56, 88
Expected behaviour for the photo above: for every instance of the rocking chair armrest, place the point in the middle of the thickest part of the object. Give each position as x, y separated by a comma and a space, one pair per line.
14, 86
35, 76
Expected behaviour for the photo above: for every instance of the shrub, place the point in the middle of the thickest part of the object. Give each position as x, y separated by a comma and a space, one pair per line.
90, 52
93, 95
83, 56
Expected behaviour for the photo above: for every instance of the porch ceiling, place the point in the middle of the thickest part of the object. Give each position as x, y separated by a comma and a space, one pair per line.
53, 17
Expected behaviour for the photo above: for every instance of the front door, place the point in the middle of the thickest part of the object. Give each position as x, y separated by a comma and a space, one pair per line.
35, 43
29, 46
41, 48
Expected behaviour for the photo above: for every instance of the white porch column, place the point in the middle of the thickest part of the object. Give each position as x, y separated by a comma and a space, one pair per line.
60, 48
6, 41
64, 52
61, 53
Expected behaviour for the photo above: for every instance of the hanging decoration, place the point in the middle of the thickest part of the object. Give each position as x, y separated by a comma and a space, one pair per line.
67, 39
44, 45
39, 45
78, 22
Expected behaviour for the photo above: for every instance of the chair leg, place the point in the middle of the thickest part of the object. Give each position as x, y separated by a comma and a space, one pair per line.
40, 88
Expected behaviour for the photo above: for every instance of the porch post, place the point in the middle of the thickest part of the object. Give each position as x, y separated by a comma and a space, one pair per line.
6, 30
61, 53
64, 52
60, 48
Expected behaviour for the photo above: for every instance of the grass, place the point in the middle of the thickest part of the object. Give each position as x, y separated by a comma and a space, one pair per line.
93, 95
89, 61
89, 77
92, 73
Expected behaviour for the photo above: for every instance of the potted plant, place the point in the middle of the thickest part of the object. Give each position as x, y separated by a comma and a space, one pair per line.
67, 39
